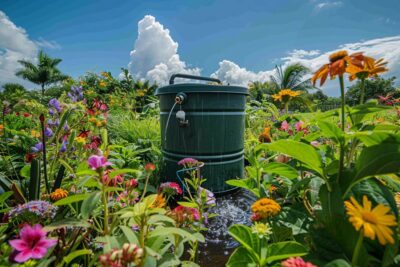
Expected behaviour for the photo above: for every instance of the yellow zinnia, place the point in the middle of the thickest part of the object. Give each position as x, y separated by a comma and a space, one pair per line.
374, 222
159, 202
58, 194
265, 208
285, 95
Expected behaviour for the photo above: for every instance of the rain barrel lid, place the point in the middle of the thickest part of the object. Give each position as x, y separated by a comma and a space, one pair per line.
200, 88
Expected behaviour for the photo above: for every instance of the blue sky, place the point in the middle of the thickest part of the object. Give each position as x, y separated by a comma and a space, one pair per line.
252, 35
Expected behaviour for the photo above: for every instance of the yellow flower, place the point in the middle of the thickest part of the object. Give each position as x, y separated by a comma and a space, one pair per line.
374, 222
397, 199
285, 95
80, 139
93, 119
261, 229
35, 133
159, 202
102, 84
265, 208
58, 194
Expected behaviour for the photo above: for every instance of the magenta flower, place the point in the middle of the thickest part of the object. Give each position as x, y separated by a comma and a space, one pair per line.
32, 243
96, 162
299, 126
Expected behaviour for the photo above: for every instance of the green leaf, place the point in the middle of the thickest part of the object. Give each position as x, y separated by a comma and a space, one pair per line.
122, 171
241, 258
34, 182
247, 239
331, 131
338, 263
5, 196
161, 231
280, 169
188, 204
77, 253
25, 171
247, 183
89, 204
377, 160
71, 199
129, 234
302, 152
68, 222
284, 250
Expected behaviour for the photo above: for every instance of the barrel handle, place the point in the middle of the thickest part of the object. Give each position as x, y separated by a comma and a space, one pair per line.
187, 76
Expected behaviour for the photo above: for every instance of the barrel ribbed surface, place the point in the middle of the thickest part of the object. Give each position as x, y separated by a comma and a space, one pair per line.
214, 133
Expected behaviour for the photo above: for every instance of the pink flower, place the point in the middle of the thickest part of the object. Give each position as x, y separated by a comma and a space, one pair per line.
32, 244
296, 262
171, 188
188, 162
299, 126
315, 143
285, 126
97, 162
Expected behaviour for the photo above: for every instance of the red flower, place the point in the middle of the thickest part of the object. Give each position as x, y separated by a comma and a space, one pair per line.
29, 157
132, 183
17, 113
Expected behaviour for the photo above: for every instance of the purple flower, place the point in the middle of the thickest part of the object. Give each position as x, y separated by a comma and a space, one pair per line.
188, 162
51, 112
48, 132
210, 198
66, 127
32, 243
63, 146
42, 209
96, 162
55, 104
76, 93
37, 148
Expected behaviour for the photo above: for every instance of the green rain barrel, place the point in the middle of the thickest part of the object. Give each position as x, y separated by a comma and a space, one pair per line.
205, 122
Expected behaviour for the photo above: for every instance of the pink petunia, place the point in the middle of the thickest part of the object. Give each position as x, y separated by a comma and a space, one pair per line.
97, 162
32, 243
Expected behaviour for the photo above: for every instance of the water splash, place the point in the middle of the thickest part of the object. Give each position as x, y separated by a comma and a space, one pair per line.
231, 209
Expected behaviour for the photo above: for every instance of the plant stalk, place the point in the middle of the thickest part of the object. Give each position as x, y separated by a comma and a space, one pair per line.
357, 250
362, 91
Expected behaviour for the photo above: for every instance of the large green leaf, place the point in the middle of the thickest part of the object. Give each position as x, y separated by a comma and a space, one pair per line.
129, 234
284, 250
162, 231
67, 222
34, 181
89, 204
71, 199
247, 183
331, 131
247, 239
280, 169
241, 258
338, 263
370, 138
302, 152
377, 160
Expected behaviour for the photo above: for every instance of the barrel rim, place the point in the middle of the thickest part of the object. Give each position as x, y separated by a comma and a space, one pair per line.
201, 88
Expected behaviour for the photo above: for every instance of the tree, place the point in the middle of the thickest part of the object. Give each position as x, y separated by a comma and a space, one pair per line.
258, 90
373, 89
44, 73
292, 77
13, 92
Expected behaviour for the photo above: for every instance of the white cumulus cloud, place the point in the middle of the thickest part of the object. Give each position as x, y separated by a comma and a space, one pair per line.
14, 45
155, 54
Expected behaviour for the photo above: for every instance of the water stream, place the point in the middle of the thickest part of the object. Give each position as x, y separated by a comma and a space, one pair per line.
232, 209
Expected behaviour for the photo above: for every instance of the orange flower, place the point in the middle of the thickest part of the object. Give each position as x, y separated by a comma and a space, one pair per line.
265, 137
58, 194
338, 62
369, 68
265, 207
159, 202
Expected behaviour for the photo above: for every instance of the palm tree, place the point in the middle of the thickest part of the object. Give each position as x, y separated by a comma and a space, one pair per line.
292, 77
44, 73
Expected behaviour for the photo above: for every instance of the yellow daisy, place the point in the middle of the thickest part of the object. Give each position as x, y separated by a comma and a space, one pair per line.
373, 222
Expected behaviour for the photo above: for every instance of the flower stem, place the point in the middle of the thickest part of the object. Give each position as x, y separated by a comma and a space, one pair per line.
357, 249
343, 100
362, 89
105, 203
287, 107
146, 183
